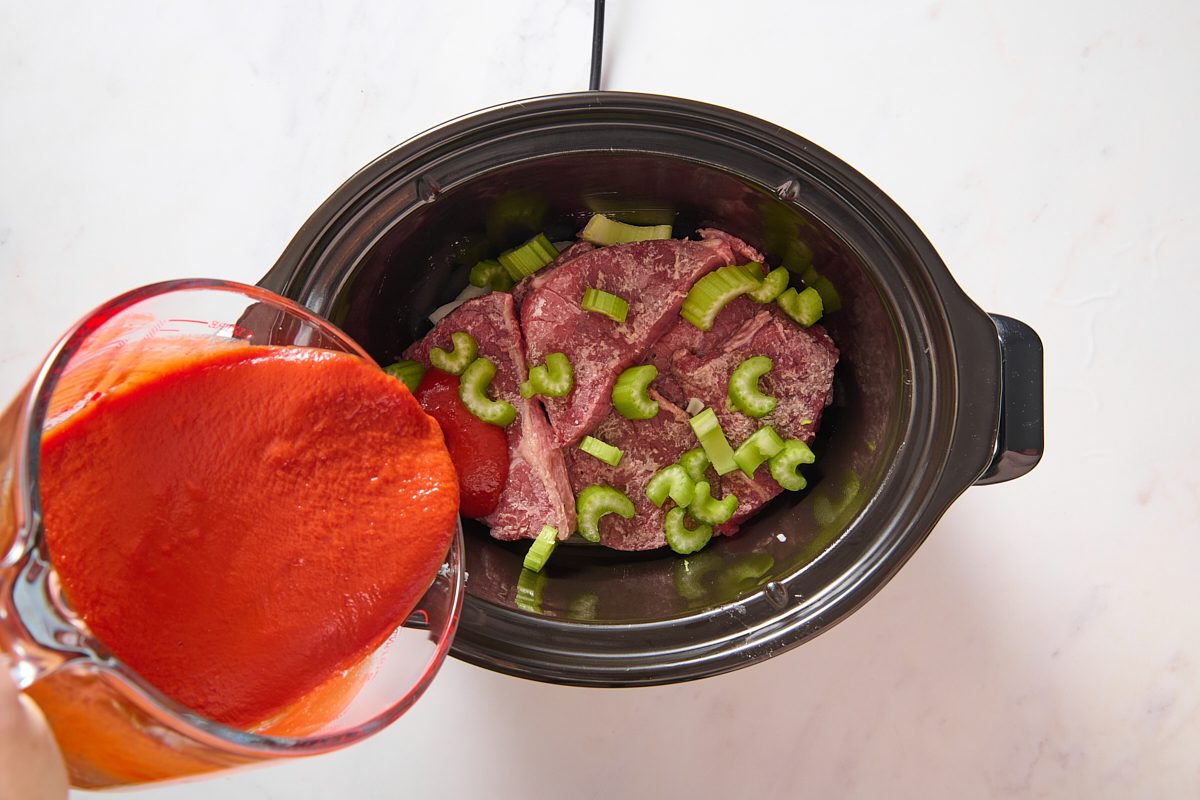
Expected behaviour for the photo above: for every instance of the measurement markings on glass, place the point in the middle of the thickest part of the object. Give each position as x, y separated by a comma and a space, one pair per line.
236, 331
115, 344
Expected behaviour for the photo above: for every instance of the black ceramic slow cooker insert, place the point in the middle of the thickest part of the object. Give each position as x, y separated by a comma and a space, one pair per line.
931, 394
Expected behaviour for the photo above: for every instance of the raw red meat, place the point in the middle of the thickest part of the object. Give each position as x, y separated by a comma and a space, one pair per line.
535, 280
646, 446
538, 491
742, 252
697, 364
653, 277
694, 363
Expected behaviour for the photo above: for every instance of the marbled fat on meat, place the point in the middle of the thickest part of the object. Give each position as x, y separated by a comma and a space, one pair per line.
646, 446
742, 252
538, 491
653, 277
698, 364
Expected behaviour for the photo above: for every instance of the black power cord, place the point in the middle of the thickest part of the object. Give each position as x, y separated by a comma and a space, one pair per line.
597, 46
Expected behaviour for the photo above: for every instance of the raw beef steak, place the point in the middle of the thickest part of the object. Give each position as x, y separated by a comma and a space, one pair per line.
538, 491
742, 252
697, 364
569, 253
646, 446
652, 276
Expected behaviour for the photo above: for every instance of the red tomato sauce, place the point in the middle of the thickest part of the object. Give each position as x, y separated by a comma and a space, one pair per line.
241, 526
479, 450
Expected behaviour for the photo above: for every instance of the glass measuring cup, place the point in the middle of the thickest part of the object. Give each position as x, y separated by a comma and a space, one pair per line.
112, 726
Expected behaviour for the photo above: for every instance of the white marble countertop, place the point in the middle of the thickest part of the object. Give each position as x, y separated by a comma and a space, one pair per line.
1044, 642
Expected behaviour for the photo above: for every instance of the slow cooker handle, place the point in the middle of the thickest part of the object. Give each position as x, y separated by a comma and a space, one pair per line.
1020, 438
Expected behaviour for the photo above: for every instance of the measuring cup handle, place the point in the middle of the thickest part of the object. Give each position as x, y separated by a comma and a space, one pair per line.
33, 637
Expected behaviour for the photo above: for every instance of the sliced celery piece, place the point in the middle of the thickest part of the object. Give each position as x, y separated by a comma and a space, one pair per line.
606, 303
489, 274
772, 286
409, 373
706, 508
671, 481
830, 299
604, 231
712, 439
554, 379
629, 395
602, 450
560, 376
516, 212
529, 257
762, 445
457, 360
712, 292
797, 256
805, 307
744, 394
542, 547
785, 465
695, 462
682, 539
472, 390
593, 503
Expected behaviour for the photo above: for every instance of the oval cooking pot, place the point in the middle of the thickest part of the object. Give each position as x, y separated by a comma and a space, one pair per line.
931, 394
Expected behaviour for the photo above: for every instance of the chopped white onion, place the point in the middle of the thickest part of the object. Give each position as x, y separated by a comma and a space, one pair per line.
695, 406
469, 293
